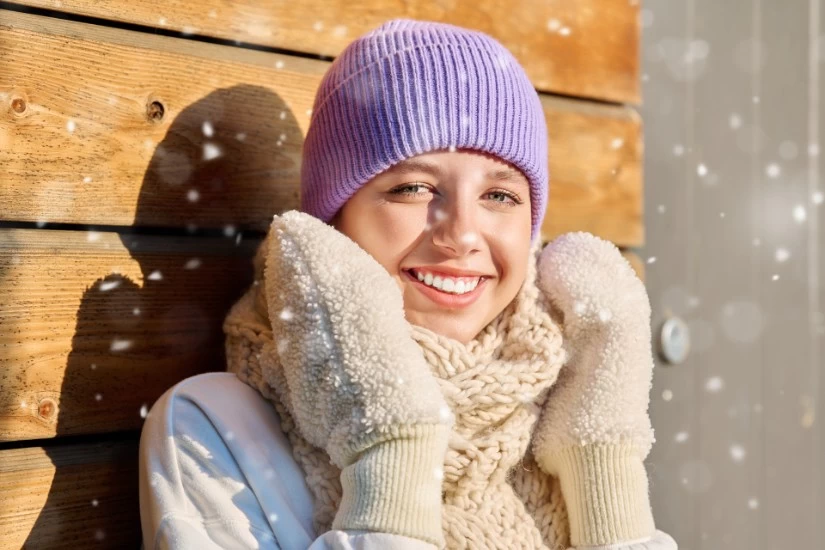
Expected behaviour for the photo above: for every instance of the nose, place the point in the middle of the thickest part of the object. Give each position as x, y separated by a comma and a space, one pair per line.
455, 227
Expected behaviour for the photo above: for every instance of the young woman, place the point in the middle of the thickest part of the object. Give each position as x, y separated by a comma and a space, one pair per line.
410, 369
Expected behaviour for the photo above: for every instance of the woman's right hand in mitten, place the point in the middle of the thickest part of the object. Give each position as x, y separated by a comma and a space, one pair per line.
359, 386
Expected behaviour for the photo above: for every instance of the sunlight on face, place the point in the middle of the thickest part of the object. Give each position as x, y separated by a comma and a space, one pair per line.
459, 220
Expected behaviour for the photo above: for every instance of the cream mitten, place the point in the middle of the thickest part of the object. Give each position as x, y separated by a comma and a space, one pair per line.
359, 386
594, 431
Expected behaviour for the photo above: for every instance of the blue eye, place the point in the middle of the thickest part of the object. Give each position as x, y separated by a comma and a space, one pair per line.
409, 189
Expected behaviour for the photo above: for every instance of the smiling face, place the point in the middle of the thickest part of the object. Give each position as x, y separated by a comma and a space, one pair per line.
453, 230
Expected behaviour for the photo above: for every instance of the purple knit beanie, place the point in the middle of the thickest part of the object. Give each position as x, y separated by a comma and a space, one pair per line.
411, 87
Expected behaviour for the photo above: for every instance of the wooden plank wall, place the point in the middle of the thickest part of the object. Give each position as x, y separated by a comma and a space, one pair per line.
143, 150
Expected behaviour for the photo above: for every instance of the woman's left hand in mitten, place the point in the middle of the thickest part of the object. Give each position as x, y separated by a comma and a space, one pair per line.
594, 432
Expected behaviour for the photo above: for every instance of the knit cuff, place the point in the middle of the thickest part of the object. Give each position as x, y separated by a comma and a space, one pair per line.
605, 489
395, 486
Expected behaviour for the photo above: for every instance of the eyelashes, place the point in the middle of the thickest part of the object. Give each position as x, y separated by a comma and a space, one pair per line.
414, 190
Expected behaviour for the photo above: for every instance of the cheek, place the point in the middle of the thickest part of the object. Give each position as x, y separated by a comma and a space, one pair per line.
386, 232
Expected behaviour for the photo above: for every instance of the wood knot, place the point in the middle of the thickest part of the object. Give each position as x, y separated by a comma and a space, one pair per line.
155, 111
47, 409
18, 105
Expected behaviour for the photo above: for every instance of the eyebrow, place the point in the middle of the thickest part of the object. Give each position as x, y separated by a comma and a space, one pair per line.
413, 165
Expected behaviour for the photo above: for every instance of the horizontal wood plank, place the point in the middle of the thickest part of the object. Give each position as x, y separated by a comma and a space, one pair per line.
70, 497
107, 126
587, 48
96, 326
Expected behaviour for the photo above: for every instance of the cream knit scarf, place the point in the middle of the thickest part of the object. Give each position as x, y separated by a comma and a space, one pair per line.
494, 494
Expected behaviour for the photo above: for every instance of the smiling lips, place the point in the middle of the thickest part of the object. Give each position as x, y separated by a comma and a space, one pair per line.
451, 292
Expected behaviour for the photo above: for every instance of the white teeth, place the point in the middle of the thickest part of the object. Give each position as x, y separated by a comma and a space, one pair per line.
447, 284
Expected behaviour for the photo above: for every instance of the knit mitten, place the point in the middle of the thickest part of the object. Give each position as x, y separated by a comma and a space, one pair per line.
359, 386
594, 431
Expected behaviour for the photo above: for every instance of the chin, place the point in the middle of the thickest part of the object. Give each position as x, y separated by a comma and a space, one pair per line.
451, 328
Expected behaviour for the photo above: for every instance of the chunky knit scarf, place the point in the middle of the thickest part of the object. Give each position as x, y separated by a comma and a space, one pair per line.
494, 494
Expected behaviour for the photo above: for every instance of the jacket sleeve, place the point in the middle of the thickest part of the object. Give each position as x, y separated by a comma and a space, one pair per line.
215, 477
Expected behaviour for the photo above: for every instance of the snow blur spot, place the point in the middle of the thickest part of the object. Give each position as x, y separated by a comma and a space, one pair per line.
156, 275
782, 254
564, 31
721, 214
207, 128
440, 215
605, 315
87, 179
799, 214
273, 517
136, 311
818, 197
94, 502
753, 503
98, 396
194, 263
340, 30
651, 260
279, 64
318, 26
681, 437
120, 345
229, 436
661, 209
735, 121
553, 25
702, 170
269, 473
667, 395
211, 151
162, 21
469, 238
579, 307
756, 100
22, 404
757, 241
106, 286
678, 150
813, 150
92, 236
439, 473
240, 136
229, 230
617, 143
773, 170
100, 534
775, 277
444, 413
286, 314
714, 384
399, 380
144, 411
71, 126
212, 14
452, 148
93, 366
737, 452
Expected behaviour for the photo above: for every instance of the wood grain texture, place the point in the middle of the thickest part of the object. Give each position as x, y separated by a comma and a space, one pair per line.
587, 48
96, 326
85, 140
73, 497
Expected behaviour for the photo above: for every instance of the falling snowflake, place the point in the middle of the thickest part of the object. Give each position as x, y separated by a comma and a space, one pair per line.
714, 384
782, 255
799, 214
681, 437
156, 275
192, 195
773, 170
753, 503
228, 230
71, 126
702, 170
667, 395
211, 151
144, 411
194, 263
737, 453
207, 128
